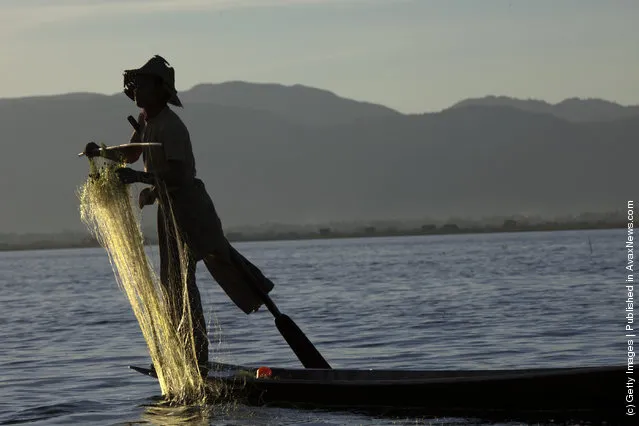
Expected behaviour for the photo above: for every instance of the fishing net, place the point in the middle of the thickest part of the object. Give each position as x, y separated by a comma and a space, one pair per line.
106, 208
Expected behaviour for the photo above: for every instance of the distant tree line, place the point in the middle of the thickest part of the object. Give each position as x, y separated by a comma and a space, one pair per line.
84, 240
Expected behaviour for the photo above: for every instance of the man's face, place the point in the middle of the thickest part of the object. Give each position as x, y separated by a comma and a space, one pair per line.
148, 92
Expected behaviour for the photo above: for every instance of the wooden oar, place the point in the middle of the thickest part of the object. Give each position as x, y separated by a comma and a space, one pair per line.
306, 352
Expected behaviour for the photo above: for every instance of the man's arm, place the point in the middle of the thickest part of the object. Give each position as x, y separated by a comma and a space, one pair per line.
129, 155
174, 176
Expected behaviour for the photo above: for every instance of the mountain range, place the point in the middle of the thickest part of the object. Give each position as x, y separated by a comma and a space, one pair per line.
574, 109
294, 154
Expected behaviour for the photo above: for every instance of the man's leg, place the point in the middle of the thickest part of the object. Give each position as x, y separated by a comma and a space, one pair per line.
238, 278
171, 278
200, 338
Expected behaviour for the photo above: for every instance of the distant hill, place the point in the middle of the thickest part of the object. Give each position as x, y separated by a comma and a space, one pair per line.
262, 164
574, 109
300, 104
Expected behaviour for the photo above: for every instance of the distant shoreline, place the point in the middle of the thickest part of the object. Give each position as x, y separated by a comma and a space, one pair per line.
327, 234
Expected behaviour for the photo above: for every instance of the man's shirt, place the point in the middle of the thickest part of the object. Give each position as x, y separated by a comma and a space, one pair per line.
168, 129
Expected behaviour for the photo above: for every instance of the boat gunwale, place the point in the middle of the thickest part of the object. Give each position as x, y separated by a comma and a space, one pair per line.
466, 376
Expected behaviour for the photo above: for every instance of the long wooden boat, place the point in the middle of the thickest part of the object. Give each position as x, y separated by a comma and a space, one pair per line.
553, 394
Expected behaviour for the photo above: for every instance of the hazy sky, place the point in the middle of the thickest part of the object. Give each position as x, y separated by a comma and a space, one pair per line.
414, 56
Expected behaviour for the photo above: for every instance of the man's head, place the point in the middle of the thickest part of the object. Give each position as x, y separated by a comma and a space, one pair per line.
151, 85
149, 91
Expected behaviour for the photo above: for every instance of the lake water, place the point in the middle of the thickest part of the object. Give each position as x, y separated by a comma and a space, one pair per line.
512, 300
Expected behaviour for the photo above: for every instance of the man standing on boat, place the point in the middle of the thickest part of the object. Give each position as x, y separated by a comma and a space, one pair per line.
189, 228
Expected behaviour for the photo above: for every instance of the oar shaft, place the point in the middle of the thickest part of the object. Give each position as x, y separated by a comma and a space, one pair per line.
268, 302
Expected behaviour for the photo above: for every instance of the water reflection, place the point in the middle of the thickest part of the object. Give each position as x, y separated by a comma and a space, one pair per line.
160, 412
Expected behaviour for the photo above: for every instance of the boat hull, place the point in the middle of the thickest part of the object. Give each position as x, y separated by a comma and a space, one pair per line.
579, 394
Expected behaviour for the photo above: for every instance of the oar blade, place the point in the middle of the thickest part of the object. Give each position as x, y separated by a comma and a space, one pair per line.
297, 340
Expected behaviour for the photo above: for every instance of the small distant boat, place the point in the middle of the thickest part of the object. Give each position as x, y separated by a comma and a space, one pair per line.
580, 394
